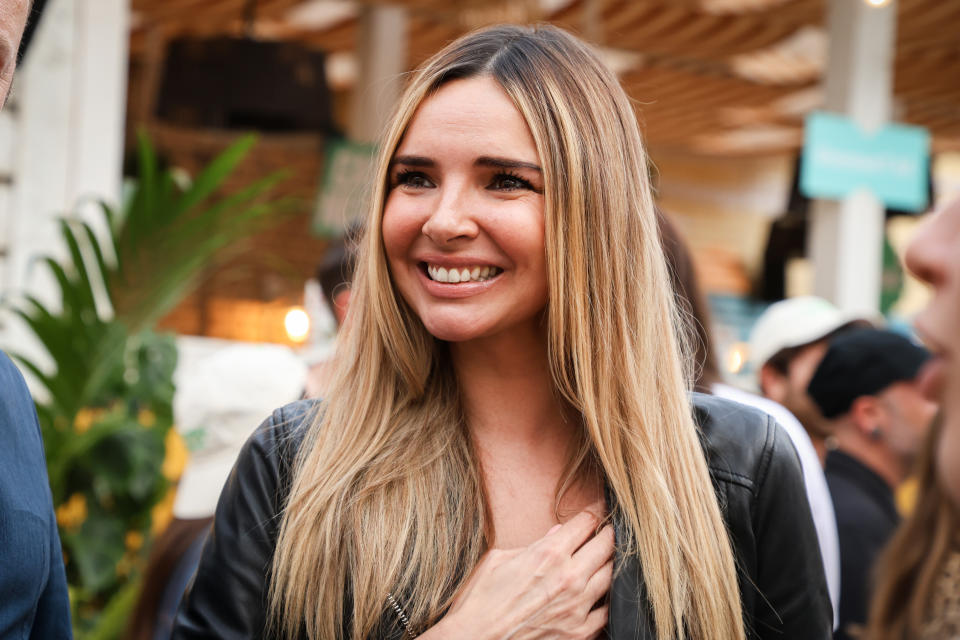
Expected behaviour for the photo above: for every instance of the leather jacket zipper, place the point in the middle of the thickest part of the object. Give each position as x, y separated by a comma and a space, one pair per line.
401, 616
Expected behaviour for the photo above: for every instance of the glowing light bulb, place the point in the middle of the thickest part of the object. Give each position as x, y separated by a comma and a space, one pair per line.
297, 324
877, 3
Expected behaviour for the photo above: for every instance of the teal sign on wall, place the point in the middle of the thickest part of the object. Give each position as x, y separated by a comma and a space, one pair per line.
839, 157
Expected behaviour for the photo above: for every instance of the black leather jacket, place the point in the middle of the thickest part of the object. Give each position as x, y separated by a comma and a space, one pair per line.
755, 471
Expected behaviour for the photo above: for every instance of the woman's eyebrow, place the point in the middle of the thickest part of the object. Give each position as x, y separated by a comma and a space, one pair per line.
482, 161
506, 163
413, 161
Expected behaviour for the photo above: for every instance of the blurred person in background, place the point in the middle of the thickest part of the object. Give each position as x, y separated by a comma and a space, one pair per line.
220, 398
786, 344
13, 20
510, 418
934, 256
917, 592
917, 580
866, 388
334, 275
33, 583
707, 379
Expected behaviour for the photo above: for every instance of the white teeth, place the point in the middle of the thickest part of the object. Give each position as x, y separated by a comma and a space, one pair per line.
465, 274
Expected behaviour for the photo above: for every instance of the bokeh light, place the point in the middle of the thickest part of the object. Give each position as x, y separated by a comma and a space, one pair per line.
297, 324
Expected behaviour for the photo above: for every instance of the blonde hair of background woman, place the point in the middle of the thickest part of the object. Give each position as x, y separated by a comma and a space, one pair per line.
913, 561
387, 496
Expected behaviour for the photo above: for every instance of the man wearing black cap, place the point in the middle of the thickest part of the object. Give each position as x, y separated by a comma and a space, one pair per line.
866, 387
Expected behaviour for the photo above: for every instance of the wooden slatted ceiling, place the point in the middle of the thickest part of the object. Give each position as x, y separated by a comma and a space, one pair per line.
660, 26
687, 86
677, 105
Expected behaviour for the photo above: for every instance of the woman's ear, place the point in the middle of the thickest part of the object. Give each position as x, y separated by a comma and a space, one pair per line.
341, 301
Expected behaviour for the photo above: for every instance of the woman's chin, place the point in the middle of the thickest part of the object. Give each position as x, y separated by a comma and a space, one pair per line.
456, 327
448, 333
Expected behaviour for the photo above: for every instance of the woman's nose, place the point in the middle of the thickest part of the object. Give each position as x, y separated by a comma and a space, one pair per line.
927, 254
451, 220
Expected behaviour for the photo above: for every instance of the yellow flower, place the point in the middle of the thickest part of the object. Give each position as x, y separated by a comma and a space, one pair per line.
146, 417
72, 513
176, 456
133, 540
83, 420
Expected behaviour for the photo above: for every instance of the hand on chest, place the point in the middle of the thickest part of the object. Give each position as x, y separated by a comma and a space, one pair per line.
524, 507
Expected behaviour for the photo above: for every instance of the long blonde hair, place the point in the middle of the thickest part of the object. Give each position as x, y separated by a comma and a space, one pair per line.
387, 495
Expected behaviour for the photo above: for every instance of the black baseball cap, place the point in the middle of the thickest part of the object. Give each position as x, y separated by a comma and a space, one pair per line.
863, 362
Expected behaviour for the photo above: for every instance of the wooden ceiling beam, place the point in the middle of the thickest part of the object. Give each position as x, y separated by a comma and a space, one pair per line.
708, 96
731, 35
927, 16
179, 12
683, 85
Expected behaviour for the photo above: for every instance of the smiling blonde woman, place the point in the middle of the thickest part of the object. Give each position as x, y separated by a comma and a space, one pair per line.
510, 449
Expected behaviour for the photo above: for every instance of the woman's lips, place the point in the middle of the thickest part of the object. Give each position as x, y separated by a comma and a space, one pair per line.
931, 379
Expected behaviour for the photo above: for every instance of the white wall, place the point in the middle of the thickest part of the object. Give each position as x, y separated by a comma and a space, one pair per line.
61, 141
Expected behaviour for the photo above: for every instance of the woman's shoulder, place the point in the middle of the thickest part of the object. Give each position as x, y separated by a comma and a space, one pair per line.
759, 485
287, 425
273, 447
741, 443
229, 589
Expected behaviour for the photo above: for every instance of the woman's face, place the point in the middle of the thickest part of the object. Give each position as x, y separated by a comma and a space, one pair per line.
463, 222
934, 256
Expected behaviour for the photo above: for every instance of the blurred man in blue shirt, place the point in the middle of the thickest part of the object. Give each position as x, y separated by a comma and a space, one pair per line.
33, 585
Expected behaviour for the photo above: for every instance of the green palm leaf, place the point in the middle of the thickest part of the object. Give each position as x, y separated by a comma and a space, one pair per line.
157, 246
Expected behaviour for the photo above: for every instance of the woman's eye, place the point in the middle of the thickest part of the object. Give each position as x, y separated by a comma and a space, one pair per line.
507, 182
413, 179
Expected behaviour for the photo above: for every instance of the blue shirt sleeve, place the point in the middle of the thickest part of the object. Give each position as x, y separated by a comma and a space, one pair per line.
33, 585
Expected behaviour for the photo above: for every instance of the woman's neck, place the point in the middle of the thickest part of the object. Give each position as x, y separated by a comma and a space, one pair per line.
524, 437
507, 390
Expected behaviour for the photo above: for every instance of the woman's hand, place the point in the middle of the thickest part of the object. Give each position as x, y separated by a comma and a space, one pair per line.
546, 590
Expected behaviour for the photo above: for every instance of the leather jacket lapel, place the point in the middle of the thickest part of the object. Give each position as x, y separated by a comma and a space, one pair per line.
628, 597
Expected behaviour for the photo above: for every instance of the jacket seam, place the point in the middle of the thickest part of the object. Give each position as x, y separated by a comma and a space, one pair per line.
766, 458
725, 475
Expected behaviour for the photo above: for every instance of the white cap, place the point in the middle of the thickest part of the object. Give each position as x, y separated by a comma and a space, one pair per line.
795, 322
220, 400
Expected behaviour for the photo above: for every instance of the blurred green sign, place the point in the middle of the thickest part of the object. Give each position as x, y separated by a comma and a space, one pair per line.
344, 187
839, 157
